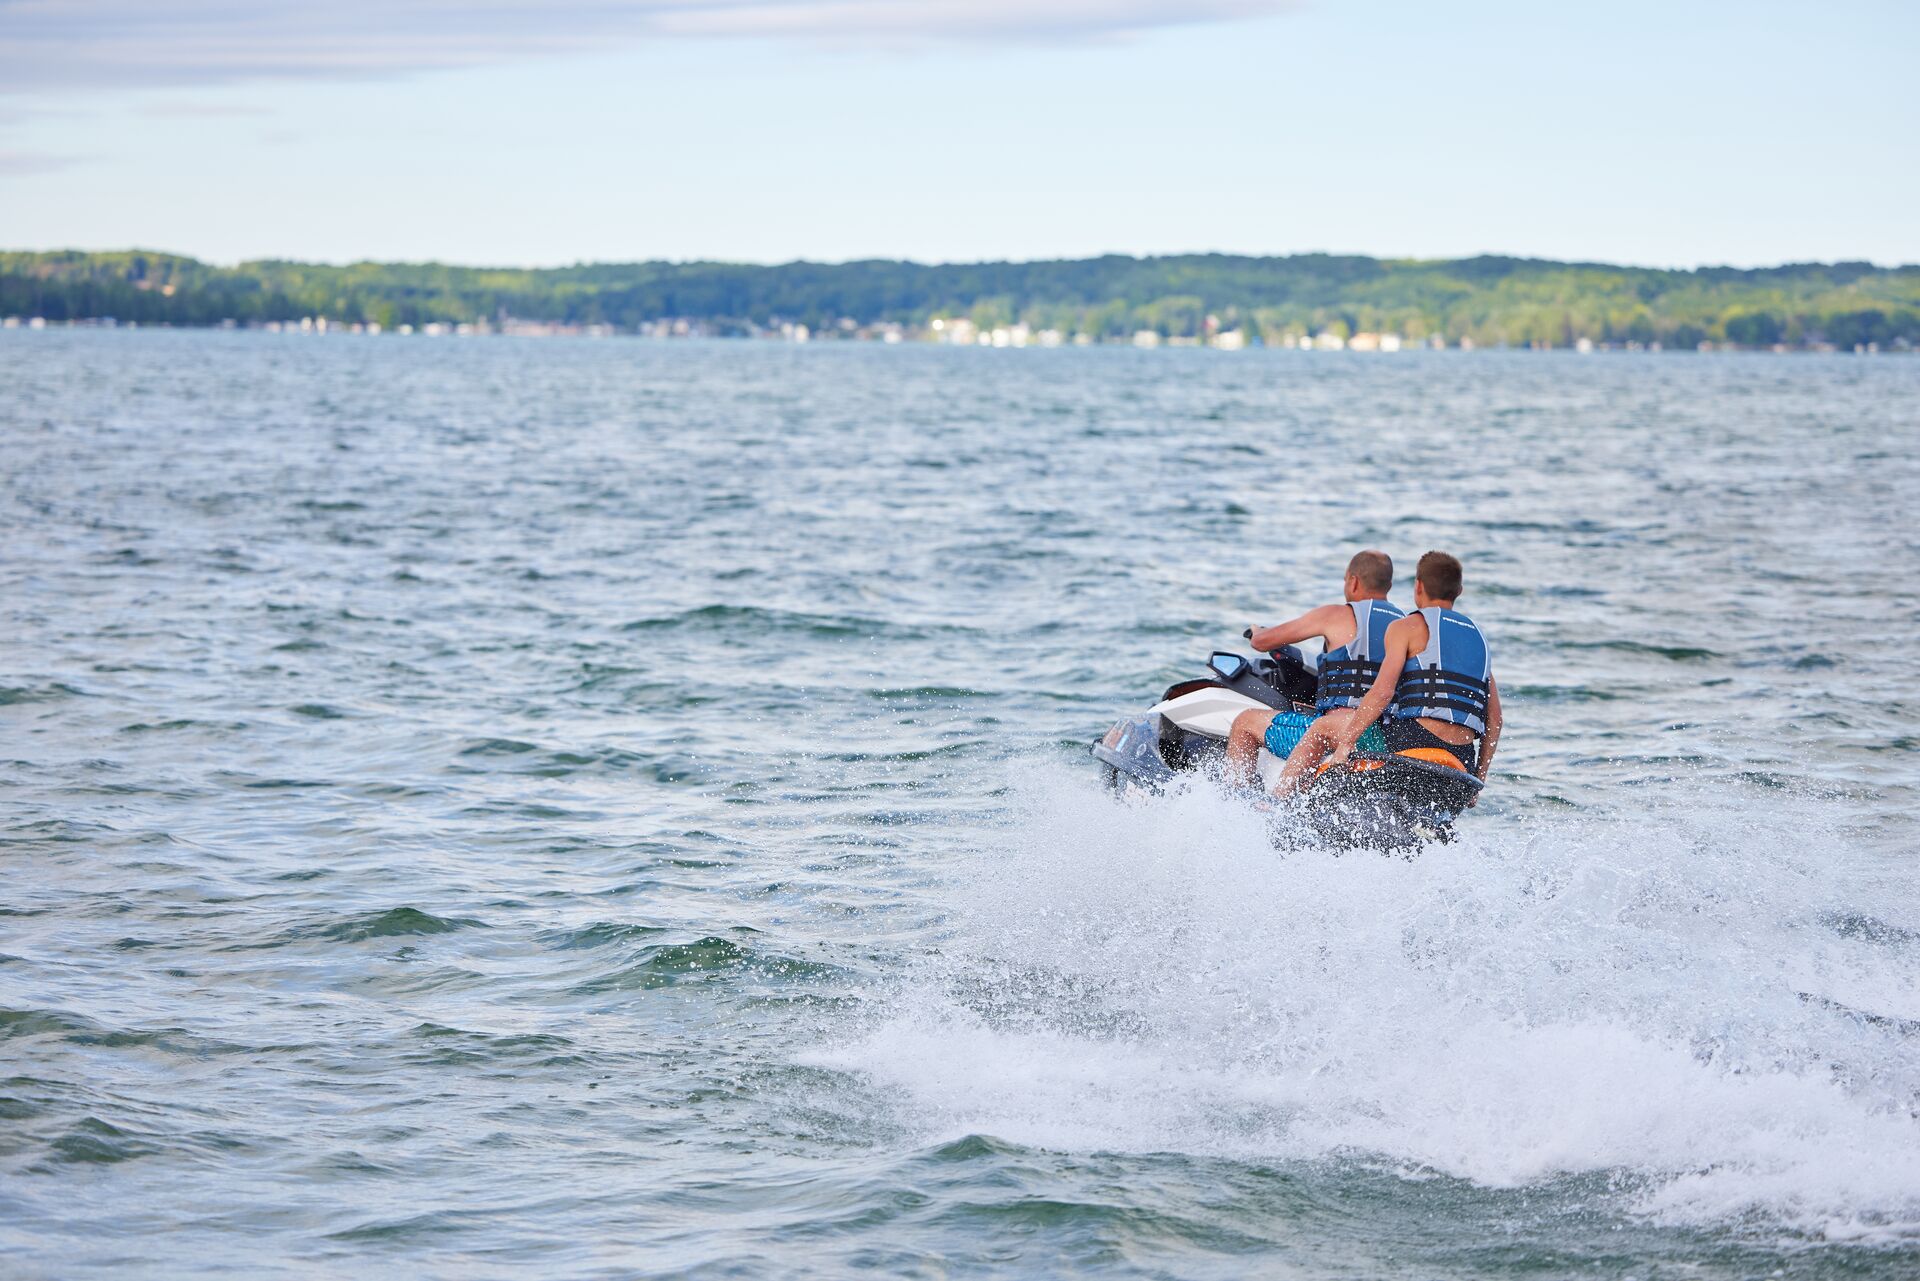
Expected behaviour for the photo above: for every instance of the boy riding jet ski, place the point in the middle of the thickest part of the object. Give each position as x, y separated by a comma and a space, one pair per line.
1437, 676
1428, 763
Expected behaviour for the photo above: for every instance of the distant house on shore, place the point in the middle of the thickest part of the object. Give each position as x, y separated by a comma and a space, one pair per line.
958, 330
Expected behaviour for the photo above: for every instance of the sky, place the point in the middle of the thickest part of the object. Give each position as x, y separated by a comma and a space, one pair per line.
543, 132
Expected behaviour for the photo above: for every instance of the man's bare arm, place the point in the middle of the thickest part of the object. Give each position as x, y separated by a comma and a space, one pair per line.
1310, 624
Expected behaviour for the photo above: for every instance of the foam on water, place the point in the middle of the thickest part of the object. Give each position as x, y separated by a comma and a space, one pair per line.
1665, 997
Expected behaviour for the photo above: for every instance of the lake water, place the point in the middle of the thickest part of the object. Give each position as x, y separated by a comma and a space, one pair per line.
498, 808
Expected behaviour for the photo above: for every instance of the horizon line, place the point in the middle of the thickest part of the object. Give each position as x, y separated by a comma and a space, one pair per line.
970, 262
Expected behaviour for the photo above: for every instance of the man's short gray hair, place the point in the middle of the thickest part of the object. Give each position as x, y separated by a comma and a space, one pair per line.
1373, 569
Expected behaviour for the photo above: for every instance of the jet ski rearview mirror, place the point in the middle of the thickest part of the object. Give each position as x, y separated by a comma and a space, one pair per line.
1228, 665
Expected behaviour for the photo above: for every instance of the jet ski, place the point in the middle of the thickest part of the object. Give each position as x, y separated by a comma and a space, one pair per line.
1375, 800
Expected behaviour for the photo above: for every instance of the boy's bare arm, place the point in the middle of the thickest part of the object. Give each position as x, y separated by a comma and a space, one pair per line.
1380, 693
1490, 739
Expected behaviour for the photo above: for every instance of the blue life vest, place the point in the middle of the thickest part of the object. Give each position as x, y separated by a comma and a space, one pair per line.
1447, 681
1347, 673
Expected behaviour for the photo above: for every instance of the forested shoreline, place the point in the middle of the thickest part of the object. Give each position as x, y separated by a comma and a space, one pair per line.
1190, 298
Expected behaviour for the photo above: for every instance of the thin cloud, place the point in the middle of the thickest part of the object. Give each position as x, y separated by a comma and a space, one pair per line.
56, 45
204, 110
891, 21
16, 164
11, 114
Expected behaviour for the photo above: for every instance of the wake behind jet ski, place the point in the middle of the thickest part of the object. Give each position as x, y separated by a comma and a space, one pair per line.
1274, 720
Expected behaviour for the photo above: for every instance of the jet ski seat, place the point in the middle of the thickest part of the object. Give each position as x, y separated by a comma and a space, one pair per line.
1436, 755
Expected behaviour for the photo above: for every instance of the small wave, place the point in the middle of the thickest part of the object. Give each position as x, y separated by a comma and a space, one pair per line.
499, 747
412, 1228
532, 760
599, 934
613, 759
973, 1147
668, 964
595, 675
96, 1142
64, 831
50, 692
394, 923
73, 1029
935, 692
1564, 693
1675, 653
143, 727
527, 809
388, 790
777, 622
443, 1046
944, 752
23, 1023
129, 556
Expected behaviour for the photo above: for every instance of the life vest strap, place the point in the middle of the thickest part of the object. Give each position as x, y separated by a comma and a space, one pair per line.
1438, 678
1347, 677
1434, 689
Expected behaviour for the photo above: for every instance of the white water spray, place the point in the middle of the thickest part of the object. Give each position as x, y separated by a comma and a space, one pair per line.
1710, 1001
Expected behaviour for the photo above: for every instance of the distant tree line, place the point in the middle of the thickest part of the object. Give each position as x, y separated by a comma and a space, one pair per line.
1488, 299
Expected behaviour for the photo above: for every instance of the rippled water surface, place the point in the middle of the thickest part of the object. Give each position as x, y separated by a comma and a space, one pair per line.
496, 808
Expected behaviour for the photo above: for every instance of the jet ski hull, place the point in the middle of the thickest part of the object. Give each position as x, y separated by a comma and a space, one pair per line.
1384, 800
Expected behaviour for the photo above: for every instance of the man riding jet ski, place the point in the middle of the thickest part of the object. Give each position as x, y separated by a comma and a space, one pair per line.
1410, 778
1351, 636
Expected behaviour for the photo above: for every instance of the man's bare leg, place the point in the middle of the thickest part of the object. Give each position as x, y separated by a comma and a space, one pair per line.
1314, 746
1243, 746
